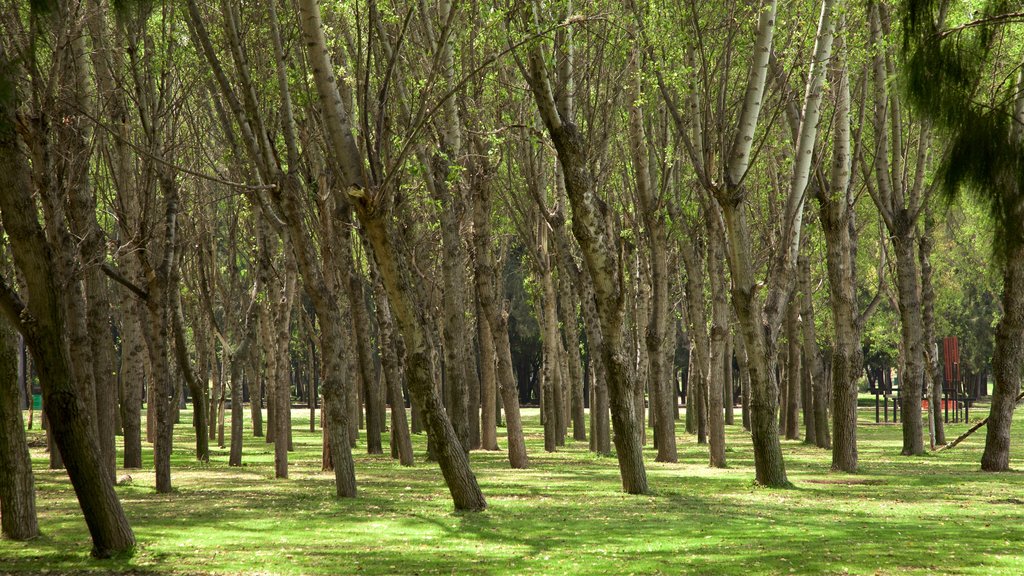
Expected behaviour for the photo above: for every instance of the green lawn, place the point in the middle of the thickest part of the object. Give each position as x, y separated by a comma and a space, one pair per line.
566, 515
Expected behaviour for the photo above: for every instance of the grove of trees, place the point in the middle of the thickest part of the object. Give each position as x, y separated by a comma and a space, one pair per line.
638, 215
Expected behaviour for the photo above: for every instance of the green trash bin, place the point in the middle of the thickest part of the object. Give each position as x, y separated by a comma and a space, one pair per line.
37, 401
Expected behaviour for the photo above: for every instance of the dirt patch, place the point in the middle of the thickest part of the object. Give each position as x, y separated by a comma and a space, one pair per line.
849, 481
1017, 501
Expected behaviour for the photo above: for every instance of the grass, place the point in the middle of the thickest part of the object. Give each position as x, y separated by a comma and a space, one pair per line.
935, 514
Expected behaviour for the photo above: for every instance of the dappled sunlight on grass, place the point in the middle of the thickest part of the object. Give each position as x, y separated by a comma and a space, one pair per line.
566, 514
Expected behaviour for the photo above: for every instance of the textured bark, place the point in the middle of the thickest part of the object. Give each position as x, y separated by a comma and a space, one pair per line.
17, 484
809, 353
794, 370
567, 315
912, 334
653, 214
769, 467
42, 322
485, 283
450, 453
1007, 360
401, 440
718, 337
132, 372
488, 383
604, 268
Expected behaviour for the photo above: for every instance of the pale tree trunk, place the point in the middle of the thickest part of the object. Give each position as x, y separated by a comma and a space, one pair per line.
718, 337
899, 206
836, 215
809, 354
395, 276
485, 280
656, 337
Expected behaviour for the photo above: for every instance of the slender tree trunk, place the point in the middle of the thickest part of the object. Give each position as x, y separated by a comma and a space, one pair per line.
488, 382
567, 315
719, 336
793, 370
809, 353
931, 357
485, 282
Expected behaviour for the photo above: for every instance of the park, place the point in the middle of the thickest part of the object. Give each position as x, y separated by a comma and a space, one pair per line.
566, 515
511, 286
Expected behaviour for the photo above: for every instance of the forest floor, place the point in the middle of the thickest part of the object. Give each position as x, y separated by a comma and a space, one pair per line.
935, 514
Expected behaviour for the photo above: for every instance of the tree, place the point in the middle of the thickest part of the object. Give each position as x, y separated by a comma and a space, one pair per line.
952, 58
41, 320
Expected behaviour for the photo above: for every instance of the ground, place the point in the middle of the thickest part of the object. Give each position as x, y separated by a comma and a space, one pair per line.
936, 514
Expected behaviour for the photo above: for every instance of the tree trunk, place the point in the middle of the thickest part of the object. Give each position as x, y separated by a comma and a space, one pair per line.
132, 372
719, 336
1007, 359
793, 370
567, 315
488, 383
912, 335
769, 467
17, 484
809, 352
41, 321
485, 283
389, 360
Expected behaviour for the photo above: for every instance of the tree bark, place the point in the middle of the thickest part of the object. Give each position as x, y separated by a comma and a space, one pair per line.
41, 321
17, 484
1007, 359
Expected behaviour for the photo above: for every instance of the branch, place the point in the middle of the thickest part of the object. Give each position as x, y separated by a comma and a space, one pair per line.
1007, 18
974, 428
120, 279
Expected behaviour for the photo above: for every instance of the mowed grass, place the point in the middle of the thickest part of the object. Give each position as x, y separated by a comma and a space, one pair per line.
935, 514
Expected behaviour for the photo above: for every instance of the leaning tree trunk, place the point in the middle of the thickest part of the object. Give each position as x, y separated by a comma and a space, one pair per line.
41, 321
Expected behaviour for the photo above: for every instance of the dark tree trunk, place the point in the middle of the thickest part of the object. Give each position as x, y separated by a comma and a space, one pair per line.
41, 321
17, 484
1007, 360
